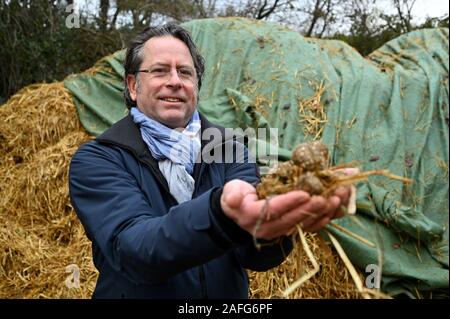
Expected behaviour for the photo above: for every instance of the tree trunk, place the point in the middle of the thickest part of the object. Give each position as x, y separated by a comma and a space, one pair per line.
103, 19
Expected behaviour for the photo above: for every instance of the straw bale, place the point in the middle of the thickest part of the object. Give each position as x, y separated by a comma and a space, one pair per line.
34, 266
40, 184
333, 281
37, 116
40, 234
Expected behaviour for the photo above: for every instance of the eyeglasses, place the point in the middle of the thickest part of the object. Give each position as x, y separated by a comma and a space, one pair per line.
163, 72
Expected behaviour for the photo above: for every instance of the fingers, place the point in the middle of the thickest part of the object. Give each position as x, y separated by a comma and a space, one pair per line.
344, 194
328, 210
280, 204
332, 210
313, 215
317, 225
284, 224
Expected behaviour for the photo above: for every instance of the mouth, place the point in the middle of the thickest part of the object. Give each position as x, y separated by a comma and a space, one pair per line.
172, 99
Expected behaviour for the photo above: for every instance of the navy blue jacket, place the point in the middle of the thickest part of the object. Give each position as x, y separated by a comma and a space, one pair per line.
145, 244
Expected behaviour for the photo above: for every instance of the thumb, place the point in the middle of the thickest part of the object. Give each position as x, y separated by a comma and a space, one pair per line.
235, 191
232, 197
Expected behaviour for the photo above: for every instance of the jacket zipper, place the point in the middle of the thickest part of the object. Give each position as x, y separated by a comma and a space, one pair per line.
201, 273
201, 270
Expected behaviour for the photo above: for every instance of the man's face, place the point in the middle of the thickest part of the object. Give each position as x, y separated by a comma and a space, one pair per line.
168, 91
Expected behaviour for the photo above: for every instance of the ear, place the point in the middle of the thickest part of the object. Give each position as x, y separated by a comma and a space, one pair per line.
132, 86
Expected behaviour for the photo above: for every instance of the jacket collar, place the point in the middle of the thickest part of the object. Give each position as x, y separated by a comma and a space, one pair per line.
126, 134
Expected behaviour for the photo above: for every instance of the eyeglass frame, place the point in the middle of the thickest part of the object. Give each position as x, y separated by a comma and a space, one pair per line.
192, 77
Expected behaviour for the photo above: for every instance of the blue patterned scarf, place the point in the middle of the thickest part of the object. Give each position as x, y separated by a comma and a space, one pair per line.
164, 142
175, 151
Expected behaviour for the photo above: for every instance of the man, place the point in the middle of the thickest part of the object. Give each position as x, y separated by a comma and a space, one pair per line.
162, 225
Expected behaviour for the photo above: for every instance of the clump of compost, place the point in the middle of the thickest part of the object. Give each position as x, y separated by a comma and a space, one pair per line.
309, 170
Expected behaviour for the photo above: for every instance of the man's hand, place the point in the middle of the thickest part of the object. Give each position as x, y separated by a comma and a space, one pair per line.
240, 202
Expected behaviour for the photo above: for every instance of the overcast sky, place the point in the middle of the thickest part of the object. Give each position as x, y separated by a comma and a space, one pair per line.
427, 8
421, 9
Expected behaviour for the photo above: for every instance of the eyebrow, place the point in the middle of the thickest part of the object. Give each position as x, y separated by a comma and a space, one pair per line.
168, 65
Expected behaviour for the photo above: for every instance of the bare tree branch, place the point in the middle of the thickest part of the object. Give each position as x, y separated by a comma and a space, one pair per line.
316, 13
405, 17
114, 19
264, 12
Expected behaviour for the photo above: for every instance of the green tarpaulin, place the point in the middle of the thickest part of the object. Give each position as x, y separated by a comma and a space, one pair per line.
386, 111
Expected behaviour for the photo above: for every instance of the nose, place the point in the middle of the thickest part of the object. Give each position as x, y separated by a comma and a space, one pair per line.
174, 79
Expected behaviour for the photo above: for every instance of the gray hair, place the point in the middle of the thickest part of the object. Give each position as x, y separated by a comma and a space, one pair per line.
135, 53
